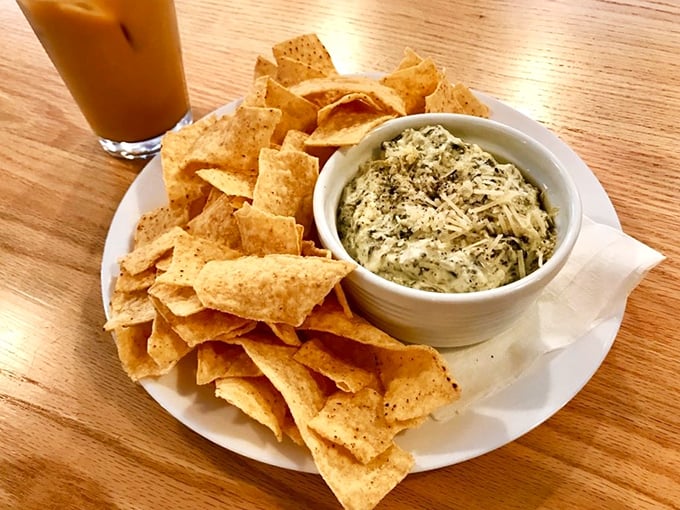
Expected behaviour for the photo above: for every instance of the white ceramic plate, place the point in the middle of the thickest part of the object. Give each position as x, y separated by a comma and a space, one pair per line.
489, 424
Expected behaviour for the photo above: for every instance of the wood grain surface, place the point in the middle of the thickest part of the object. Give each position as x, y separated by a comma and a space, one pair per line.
76, 433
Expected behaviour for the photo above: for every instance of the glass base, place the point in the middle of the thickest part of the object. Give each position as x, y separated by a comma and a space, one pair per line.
144, 148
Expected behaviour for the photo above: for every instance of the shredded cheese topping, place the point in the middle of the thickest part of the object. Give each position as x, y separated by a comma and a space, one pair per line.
438, 214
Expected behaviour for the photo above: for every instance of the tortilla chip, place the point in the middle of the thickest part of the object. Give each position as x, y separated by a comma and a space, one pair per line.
285, 185
276, 190
346, 125
163, 263
217, 360
414, 83
256, 397
310, 249
125, 282
131, 344
294, 381
362, 101
158, 221
217, 223
342, 299
212, 197
189, 256
234, 142
208, 150
331, 318
291, 430
285, 333
296, 112
346, 375
180, 300
356, 485
235, 184
356, 421
182, 186
129, 308
263, 233
416, 377
273, 288
264, 67
202, 326
443, 99
307, 49
294, 141
411, 59
471, 105
252, 130
300, 234
144, 257
417, 381
290, 72
256, 94
324, 91
164, 345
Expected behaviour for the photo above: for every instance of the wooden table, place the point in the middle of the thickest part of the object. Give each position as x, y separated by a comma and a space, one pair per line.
76, 433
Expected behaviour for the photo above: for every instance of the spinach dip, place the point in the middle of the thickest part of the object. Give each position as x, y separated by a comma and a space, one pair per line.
435, 213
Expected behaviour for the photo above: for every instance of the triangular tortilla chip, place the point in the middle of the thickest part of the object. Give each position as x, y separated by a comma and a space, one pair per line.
290, 72
324, 91
294, 141
263, 233
361, 100
158, 221
285, 184
331, 318
471, 105
234, 142
356, 421
189, 255
307, 49
256, 397
164, 345
217, 360
417, 381
235, 184
125, 282
340, 369
144, 257
129, 308
181, 185
273, 288
181, 300
131, 344
296, 112
414, 83
345, 124
202, 326
217, 223
443, 99
257, 93
410, 59
264, 67
285, 332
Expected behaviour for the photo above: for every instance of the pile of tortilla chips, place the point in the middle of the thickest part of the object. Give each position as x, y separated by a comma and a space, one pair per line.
230, 268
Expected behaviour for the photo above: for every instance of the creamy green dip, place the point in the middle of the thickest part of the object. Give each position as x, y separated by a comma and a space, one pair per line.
435, 213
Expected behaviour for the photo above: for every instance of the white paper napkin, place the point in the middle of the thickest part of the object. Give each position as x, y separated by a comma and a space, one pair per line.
604, 267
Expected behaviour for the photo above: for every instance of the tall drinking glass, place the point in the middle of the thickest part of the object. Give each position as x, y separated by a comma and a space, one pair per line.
122, 62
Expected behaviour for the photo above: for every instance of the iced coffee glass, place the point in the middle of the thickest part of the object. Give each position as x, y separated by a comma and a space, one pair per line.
122, 62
